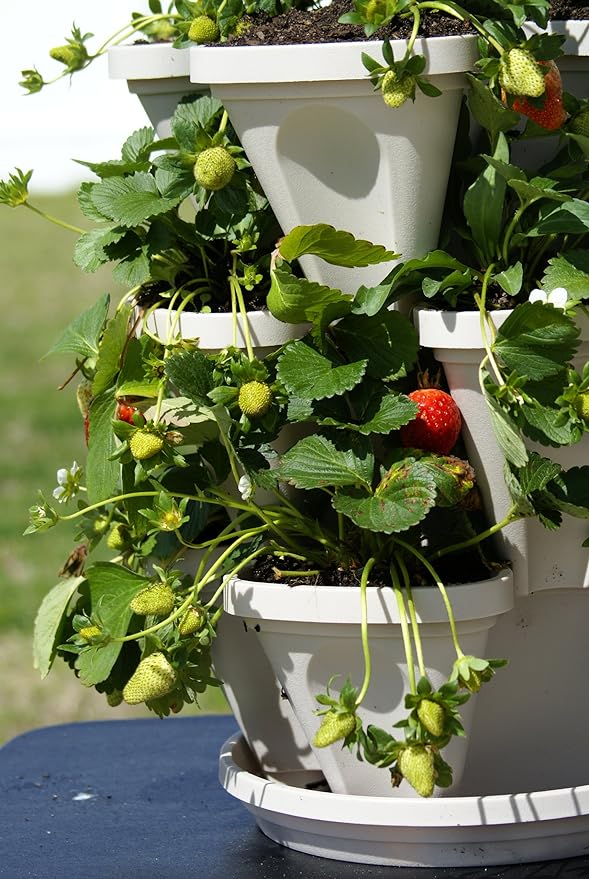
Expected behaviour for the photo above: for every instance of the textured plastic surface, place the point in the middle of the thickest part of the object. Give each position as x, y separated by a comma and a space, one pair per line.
326, 149
453, 832
311, 633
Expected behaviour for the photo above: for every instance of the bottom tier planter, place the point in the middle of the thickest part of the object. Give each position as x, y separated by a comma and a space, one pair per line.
310, 633
474, 831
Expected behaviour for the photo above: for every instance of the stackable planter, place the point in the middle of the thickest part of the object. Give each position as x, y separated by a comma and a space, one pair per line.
541, 559
159, 75
463, 831
252, 690
326, 149
534, 152
310, 633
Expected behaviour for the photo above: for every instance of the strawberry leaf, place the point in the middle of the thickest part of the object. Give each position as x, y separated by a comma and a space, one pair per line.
130, 200
111, 588
536, 340
316, 462
49, 623
308, 375
334, 246
388, 341
407, 498
82, 335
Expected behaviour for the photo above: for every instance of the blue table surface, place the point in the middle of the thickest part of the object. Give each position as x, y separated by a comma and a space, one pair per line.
140, 799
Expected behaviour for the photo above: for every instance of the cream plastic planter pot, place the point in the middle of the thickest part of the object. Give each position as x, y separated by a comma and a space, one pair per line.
252, 690
475, 831
326, 148
159, 75
310, 633
541, 559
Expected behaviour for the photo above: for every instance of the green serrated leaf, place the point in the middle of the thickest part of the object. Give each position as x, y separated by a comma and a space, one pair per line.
316, 462
111, 588
511, 279
295, 300
102, 474
332, 245
82, 335
571, 271
138, 145
130, 200
507, 434
488, 110
192, 373
388, 341
403, 501
89, 252
49, 623
536, 340
110, 352
310, 376
571, 495
191, 116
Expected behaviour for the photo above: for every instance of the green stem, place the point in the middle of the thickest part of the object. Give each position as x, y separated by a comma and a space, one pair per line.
55, 220
461, 14
404, 628
364, 631
416, 21
412, 614
418, 555
512, 516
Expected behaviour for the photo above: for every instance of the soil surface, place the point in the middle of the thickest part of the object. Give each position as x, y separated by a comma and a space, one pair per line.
322, 26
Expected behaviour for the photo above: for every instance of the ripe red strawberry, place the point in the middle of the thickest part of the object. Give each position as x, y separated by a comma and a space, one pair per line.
437, 425
552, 114
129, 414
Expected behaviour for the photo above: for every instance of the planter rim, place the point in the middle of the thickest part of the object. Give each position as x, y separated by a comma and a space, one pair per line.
266, 330
151, 61
341, 604
320, 62
449, 812
460, 330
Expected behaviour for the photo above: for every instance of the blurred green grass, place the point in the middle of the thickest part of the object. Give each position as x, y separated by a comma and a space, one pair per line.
41, 290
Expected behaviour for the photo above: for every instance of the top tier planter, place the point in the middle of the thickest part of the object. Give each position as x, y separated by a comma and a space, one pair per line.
159, 75
327, 149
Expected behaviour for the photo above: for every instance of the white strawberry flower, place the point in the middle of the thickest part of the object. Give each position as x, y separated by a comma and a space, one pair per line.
557, 297
245, 487
68, 483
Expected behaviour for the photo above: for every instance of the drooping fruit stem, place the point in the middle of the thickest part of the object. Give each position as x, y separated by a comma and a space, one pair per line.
407, 645
364, 631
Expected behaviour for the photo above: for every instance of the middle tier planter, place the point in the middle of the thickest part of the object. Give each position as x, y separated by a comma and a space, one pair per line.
309, 633
327, 149
541, 559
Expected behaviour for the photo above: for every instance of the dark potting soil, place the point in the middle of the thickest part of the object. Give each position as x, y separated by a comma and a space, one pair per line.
322, 25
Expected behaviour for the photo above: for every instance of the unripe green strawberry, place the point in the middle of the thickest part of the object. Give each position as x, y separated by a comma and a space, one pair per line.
214, 168
416, 763
162, 31
396, 90
203, 30
432, 716
157, 600
118, 537
255, 398
74, 57
334, 726
89, 632
521, 74
115, 698
580, 123
191, 621
154, 677
582, 403
144, 444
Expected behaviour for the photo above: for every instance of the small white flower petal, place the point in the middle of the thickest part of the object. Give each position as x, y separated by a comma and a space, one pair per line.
537, 296
245, 487
558, 297
58, 492
62, 476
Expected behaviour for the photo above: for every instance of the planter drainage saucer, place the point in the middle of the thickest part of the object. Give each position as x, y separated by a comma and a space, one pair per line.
297, 812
